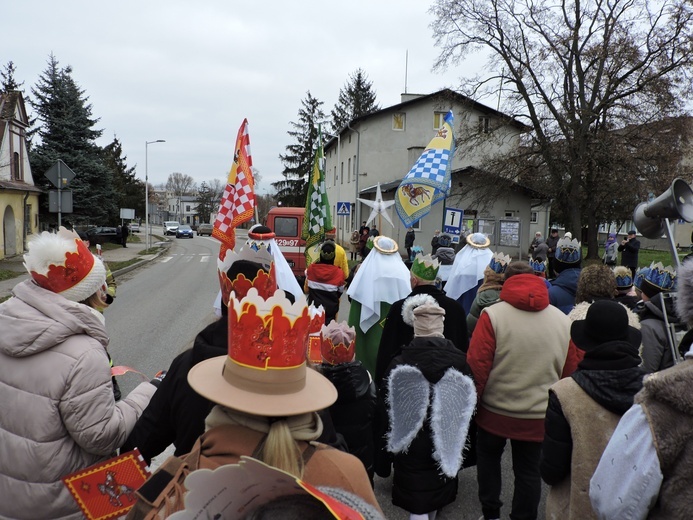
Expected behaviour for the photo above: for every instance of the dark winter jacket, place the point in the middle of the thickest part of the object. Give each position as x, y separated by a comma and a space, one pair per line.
552, 242
409, 238
656, 351
354, 411
418, 485
396, 333
176, 414
629, 253
563, 289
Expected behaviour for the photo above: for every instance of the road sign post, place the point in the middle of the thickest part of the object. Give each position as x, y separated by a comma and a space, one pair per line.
60, 176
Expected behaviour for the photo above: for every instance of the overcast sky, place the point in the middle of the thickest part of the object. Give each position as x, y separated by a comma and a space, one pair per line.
190, 72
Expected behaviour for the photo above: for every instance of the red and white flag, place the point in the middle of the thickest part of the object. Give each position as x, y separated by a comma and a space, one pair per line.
238, 200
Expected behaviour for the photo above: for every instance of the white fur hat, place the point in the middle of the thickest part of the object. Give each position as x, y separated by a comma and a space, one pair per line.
62, 263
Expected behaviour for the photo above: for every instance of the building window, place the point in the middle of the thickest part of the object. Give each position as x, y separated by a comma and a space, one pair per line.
509, 214
16, 166
353, 173
187, 208
399, 121
533, 217
335, 176
416, 226
348, 171
484, 124
341, 173
438, 120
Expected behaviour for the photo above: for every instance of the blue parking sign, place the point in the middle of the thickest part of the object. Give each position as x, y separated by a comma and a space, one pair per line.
452, 224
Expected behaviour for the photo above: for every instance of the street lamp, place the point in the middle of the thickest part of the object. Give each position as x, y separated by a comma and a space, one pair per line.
147, 232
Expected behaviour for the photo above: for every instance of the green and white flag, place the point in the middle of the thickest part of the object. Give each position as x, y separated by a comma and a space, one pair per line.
317, 218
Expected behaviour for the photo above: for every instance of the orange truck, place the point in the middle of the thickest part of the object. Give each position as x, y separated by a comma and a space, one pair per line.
287, 224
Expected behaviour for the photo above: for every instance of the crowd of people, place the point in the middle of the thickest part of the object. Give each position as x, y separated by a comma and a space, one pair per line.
443, 360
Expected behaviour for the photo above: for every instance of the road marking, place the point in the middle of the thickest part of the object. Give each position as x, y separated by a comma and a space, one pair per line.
205, 258
166, 258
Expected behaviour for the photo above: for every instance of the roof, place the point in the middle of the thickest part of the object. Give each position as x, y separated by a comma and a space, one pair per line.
19, 186
384, 188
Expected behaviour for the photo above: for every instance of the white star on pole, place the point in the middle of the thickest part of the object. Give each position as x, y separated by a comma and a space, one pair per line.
379, 206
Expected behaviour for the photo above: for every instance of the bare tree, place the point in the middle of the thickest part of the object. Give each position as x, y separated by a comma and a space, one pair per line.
594, 80
180, 184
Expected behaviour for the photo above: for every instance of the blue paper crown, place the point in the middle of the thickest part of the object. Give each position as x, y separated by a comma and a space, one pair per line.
568, 251
499, 262
624, 280
662, 277
538, 265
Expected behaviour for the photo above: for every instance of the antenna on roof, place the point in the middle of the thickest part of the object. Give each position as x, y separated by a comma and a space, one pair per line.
406, 68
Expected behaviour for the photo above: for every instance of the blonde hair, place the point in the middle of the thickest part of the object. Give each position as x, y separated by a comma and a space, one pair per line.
281, 450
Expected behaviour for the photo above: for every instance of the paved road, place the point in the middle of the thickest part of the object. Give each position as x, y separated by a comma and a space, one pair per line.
161, 307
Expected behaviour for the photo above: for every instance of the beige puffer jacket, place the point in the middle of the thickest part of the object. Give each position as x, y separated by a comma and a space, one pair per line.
57, 412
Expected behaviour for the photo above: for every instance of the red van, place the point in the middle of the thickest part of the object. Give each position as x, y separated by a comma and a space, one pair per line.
287, 224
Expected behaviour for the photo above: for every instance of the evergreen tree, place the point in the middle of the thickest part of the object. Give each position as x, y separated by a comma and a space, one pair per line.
66, 131
8, 81
356, 99
298, 161
128, 191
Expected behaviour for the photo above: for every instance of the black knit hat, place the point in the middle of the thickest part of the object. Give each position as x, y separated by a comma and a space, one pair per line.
606, 321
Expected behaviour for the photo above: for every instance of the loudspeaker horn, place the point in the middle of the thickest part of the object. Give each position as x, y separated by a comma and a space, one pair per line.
676, 202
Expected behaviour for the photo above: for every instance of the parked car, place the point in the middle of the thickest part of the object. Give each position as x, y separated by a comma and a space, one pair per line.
134, 227
170, 227
102, 235
184, 231
205, 229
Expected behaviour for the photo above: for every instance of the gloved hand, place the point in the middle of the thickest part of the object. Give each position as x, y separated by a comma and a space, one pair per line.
159, 377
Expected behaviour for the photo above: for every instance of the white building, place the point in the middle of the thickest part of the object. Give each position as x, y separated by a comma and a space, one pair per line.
382, 147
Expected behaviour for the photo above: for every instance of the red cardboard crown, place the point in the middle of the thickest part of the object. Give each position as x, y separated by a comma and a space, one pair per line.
268, 333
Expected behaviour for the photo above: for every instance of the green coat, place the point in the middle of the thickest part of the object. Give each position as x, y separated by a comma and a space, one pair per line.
367, 343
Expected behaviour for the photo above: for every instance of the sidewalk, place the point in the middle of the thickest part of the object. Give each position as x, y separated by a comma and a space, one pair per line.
119, 254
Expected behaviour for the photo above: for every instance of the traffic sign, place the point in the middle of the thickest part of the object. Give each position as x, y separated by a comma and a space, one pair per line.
344, 208
452, 224
60, 174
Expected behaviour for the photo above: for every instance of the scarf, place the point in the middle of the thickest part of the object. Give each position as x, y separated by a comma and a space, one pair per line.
610, 240
305, 427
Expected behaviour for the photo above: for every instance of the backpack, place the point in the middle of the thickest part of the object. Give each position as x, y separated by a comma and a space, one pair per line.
163, 493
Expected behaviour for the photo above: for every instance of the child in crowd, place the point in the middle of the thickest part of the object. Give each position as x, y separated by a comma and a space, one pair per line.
430, 402
352, 414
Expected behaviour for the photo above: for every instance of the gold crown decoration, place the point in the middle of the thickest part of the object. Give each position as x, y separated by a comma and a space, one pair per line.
425, 267
385, 245
478, 240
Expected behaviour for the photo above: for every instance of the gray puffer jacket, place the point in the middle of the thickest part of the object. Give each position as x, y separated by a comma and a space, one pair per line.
57, 412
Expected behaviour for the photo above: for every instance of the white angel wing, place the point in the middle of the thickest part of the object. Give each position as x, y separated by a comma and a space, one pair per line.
454, 400
408, 397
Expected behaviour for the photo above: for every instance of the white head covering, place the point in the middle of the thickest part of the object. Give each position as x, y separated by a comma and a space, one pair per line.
467, 270
381, 278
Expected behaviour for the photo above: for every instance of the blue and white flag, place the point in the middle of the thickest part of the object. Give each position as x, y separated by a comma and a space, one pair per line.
428, 181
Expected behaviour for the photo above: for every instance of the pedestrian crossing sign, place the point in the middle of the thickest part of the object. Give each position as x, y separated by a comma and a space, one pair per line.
343, 208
